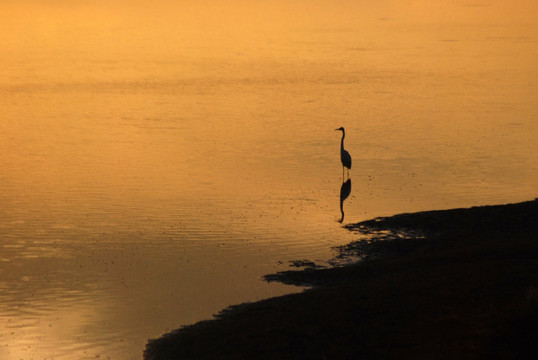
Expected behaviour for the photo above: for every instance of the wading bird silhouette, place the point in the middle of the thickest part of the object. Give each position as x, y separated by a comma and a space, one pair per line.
344, 155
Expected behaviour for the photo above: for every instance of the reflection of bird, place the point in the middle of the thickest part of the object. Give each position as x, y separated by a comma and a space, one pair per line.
345, 190
344, 155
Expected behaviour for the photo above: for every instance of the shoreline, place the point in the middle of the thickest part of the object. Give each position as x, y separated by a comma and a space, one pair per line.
446, 284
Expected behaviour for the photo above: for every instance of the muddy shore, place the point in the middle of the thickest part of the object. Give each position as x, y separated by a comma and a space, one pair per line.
453, 284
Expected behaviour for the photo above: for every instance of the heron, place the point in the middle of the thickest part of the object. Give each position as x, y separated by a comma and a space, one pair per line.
344, 155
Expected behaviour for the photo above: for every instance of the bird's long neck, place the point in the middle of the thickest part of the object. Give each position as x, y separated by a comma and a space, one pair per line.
342, 141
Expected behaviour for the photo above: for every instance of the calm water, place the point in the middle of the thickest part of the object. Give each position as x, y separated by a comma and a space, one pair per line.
158, 159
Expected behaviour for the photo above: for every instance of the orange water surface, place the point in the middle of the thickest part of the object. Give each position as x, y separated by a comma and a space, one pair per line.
158, 157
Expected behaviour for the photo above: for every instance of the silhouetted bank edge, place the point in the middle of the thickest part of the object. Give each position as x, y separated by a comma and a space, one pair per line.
451, 284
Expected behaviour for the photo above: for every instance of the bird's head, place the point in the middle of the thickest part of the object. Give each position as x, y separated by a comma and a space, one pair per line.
340, 128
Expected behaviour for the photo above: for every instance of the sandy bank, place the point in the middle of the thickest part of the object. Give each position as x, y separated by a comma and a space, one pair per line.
454, 284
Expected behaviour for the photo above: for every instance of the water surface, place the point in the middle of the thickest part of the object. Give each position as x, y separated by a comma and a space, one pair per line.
157, 159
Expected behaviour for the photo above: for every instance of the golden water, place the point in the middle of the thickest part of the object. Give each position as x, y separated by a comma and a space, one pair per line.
158, 158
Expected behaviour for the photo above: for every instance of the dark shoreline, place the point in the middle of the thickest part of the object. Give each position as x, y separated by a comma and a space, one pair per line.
452, 284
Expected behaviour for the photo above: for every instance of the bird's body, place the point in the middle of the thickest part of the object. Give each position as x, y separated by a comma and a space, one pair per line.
344, 155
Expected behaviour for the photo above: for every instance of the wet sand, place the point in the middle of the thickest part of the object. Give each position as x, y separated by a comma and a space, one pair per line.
453, 284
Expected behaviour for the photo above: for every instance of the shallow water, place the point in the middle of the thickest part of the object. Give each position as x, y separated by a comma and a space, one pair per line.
158, 159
